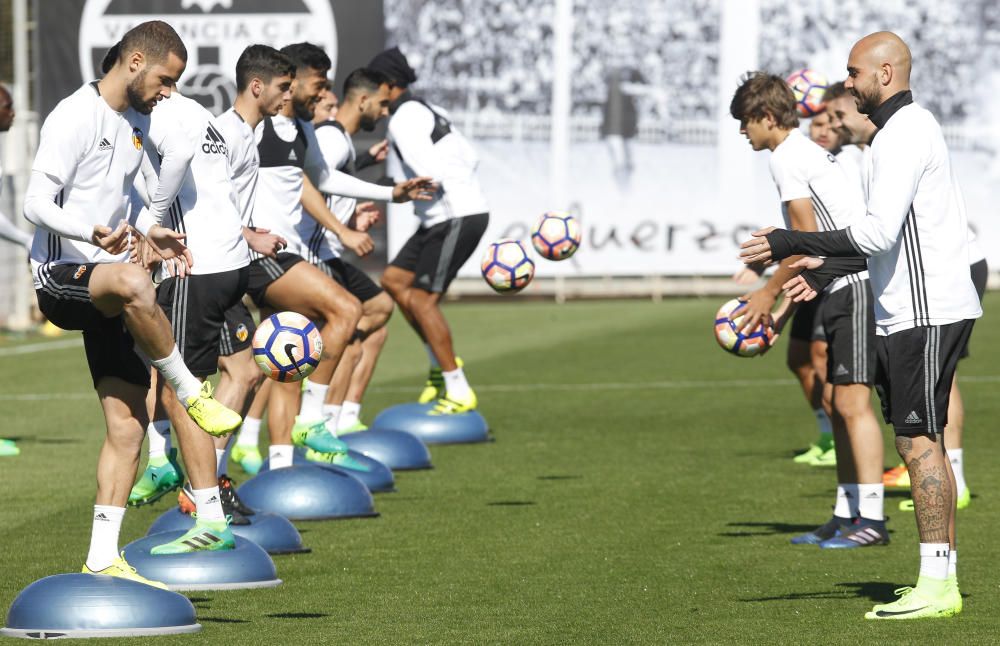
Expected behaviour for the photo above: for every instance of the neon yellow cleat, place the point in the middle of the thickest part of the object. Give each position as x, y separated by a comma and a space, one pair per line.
826, 459
931, 599
8, 448
449, 405
213, 418
249, 458
434, 388
121, 569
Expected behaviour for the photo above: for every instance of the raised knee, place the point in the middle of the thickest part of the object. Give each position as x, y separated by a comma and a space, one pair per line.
134, 285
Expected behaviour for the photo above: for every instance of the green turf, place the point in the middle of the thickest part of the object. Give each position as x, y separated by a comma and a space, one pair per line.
656, 508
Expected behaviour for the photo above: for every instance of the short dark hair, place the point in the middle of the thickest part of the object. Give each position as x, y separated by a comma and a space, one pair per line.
155, 39
834, 91
761, 94
263, 62
307, 56
364, 80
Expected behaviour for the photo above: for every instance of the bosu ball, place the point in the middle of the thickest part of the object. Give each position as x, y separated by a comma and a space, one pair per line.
378, 477
460, 428
272, 532
398, 450
243, 567
89, 605
308, 492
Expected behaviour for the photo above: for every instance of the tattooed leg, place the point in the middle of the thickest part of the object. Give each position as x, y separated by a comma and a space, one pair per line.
931, 485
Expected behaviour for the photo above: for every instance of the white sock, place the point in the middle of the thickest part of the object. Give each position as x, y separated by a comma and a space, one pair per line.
953, 562
934, 560
350, 414
208, 504
955, 456
871, 501
431, 356
455, 383
158, 433
104, 536
332, 412
823, 422
280, 456
220, 461
847, 501
311, 408
249, 432
173, 370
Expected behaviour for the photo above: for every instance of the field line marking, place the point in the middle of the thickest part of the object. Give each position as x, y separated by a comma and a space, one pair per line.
31, 348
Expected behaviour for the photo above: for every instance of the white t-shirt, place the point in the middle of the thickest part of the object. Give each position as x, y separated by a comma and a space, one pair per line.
94, 152
206, 207
802, 169
337, 149
244, 161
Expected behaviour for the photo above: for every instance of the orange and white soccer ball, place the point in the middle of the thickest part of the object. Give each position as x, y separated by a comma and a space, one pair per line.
808, 86
556, 235
287, 346
506, 266
727, 331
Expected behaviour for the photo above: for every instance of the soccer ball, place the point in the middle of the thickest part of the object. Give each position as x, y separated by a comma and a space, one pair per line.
808, 86
287, 346
556, 236
506, 266
727, 332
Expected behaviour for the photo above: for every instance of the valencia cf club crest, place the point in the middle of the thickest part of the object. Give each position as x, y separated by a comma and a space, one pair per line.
80, 271
137, 138
215, 33
242, 333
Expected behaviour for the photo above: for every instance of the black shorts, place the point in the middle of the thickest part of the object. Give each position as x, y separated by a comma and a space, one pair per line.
913, 375
807, 323
350, 278
265, 271
237, 331
436, 254
980, 274
65, 301
196, 308
848, 316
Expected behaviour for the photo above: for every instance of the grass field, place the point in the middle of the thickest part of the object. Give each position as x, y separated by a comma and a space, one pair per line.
639, 491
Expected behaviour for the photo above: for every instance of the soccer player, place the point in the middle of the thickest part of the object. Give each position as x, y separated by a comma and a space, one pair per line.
823, 134
926, 303
423, 141
90, 150
366, 100
816, 193
327, 106
8, 231
290, 164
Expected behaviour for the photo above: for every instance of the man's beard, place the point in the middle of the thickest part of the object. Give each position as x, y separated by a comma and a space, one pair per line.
134, 93
367, 123
867, 101
304, 111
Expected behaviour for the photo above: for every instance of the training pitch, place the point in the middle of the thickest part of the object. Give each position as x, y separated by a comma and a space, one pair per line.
640, 490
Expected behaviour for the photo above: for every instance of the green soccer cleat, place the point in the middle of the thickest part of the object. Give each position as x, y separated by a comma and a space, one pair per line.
342, 460
316, 436
121, 569
205, 536
931, 599
213, 418
963, 502
816, 450
434, 388
827, 459
8, 448
249, 458
161, 476
356, 427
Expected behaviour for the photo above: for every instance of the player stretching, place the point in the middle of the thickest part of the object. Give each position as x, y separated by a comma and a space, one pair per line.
423, 141
915, 238
366, 100
815, 190
90, 149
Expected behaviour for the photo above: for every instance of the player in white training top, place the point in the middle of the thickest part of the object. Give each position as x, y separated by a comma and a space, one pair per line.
90, 149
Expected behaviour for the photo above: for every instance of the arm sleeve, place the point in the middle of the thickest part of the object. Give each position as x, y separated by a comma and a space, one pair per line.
176, 152
139, 215
364, 160
410, 131
815, 243
897, 165
332, 181
832, 269
40, 209
10, 232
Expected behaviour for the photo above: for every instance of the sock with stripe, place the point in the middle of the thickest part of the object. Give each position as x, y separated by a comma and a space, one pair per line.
104, 536
332, 412
177, 374
313, 395
871, 501
280, 456
934, 558
847, 501
208, 504
158, 433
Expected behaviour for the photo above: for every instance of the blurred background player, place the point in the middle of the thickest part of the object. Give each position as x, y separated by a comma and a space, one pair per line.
817, 194
8, 231
423, 142
327, 106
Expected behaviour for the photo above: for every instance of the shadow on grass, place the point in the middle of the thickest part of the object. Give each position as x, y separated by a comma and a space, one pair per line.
511, 503
560, 477
297, 615
876, 591
32, 439
222, 620
766, 529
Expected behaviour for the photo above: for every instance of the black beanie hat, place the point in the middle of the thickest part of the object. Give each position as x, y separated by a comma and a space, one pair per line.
393, 64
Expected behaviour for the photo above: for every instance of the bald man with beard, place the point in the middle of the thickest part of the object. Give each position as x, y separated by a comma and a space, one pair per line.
914, 238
